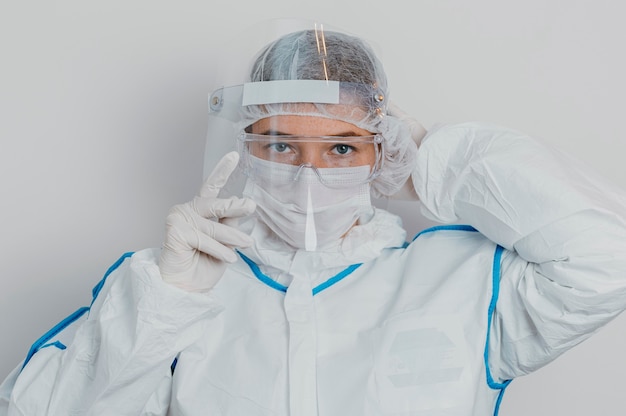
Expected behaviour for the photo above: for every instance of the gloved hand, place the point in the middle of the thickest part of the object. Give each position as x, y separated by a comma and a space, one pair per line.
417, 130
407, 191
200, 235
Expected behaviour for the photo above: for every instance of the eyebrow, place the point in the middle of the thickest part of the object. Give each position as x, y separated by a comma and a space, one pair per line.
271, 132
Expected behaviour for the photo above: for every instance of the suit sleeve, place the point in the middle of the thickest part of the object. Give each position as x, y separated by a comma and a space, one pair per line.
563, 274
114, 356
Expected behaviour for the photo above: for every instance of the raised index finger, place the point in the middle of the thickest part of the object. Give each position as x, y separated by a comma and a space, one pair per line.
219, 176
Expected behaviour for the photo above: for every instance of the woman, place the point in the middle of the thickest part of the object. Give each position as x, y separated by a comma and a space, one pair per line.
300, 297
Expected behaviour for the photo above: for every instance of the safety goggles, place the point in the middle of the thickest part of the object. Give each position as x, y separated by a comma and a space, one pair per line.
331, 160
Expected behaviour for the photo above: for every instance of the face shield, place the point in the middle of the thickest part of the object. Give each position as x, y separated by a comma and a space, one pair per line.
310, 124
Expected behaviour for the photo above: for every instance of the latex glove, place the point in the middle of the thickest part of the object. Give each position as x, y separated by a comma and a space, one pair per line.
200, 236
417, 130
407, 191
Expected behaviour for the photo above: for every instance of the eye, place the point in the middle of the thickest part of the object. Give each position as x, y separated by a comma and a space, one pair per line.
278, 147
343, 149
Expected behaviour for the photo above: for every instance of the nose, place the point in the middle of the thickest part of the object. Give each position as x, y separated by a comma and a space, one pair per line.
310, 154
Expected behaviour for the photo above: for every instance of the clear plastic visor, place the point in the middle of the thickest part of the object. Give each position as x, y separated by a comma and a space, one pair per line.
337, 162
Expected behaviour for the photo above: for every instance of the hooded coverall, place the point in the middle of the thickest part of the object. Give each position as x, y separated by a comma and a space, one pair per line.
534, 262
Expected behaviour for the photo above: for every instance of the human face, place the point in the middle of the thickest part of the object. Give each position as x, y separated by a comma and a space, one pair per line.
338, 143
310, 177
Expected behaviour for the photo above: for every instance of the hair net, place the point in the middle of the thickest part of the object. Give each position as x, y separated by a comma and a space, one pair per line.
350, 63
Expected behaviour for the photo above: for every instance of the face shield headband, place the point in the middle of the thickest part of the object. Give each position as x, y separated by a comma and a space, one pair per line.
358, 104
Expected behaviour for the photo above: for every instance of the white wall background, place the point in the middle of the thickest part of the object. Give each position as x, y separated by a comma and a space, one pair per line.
103, 117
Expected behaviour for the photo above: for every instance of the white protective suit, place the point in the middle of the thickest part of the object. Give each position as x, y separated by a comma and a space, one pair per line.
436, 326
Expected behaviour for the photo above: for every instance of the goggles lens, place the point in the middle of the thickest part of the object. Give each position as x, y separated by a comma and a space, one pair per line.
300, 154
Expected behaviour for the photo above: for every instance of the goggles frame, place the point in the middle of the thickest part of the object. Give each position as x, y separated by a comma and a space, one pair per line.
285, 151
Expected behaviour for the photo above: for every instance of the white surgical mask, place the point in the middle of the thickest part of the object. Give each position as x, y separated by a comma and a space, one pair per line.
302, 211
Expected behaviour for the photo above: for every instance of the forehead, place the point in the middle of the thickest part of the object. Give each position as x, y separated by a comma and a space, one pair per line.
306, 126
